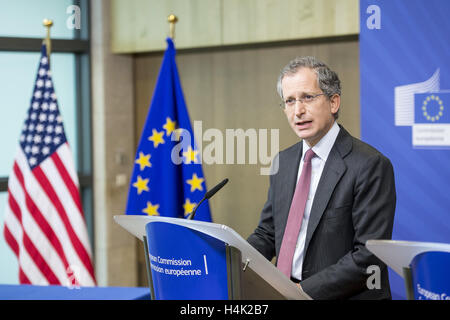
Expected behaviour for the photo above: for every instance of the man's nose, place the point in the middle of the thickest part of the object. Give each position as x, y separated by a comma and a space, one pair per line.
299, 107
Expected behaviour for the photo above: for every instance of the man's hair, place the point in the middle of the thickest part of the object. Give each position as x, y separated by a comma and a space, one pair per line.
328, 80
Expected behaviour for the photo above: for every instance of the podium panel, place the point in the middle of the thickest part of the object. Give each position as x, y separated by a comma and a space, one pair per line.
430, 277
186, 264
423, 265
249, 275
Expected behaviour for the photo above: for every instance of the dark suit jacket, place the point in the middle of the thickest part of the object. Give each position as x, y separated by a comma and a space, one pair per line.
354, 202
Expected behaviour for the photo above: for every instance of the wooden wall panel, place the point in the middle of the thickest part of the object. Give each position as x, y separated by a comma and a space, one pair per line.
141, 25
273, 20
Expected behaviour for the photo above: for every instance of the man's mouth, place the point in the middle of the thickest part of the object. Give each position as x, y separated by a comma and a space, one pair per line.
303, 124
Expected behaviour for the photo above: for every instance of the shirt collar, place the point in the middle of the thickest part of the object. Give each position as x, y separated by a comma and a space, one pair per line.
323, 148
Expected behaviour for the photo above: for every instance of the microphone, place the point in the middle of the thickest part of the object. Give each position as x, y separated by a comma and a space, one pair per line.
208, 195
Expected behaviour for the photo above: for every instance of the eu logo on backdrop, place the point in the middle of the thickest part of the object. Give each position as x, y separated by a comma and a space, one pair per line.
426, 108
431, 127
432, 107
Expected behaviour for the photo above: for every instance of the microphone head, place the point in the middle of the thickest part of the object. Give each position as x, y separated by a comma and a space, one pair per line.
211, 192
208, 195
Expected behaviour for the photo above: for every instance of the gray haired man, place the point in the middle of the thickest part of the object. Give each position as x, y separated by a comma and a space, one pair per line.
331, 194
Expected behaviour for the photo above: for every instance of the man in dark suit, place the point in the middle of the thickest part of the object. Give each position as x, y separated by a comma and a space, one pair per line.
331, 201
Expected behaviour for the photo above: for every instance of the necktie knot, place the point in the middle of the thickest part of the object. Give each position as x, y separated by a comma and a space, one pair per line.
309, 155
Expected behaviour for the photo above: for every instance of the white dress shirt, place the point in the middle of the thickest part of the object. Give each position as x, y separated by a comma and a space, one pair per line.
322, 150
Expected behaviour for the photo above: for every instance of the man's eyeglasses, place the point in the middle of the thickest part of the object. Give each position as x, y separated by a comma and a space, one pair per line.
306, 99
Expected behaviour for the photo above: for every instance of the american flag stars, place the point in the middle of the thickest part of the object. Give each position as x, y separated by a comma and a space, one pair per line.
43, 130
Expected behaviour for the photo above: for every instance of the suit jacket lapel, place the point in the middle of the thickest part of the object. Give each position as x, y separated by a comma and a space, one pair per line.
331, 174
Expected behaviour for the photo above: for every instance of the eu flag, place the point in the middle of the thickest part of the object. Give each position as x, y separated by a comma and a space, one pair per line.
167, 176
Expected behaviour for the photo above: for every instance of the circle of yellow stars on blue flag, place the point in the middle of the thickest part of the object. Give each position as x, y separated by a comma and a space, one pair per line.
159, 185
190, 156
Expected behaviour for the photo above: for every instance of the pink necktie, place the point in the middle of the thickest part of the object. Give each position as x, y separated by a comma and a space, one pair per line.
295, 217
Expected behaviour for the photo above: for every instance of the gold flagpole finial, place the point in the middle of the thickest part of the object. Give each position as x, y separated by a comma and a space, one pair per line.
172, 19
48, 24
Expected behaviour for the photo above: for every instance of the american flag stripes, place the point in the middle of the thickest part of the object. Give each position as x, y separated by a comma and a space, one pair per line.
44, 220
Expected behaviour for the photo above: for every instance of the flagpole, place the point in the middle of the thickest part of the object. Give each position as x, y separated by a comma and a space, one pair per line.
48, 24
172, 19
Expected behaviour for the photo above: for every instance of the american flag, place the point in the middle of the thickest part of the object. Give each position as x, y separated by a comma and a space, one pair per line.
44, 220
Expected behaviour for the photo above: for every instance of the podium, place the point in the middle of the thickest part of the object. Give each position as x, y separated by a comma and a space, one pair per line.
194, 260
423, 266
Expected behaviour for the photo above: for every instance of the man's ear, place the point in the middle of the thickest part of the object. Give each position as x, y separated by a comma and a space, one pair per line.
335, 103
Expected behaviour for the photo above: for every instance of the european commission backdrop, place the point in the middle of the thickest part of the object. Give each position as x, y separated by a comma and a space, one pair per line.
405, 110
